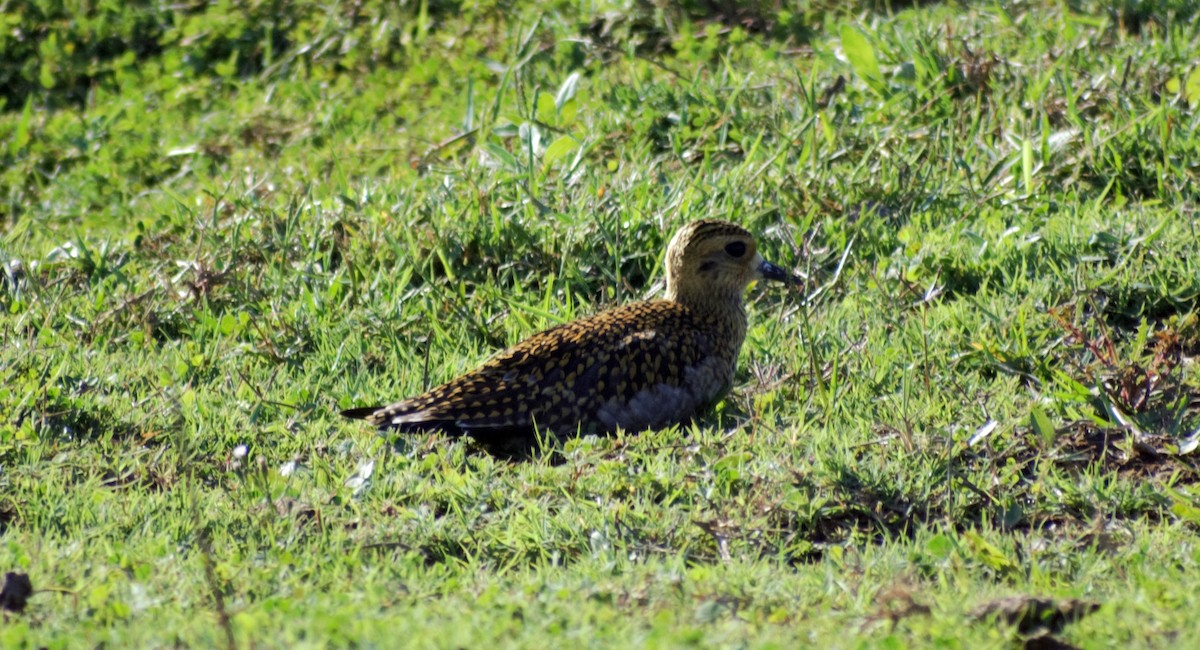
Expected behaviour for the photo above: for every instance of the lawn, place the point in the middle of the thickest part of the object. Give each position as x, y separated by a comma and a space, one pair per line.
222, 224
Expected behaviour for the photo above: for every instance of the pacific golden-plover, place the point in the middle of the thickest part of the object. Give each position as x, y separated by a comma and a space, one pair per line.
644, 365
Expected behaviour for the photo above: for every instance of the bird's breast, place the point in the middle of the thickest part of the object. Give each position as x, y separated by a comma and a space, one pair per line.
664, 404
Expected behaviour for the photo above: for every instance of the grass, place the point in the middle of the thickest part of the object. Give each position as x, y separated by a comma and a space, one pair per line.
223, 224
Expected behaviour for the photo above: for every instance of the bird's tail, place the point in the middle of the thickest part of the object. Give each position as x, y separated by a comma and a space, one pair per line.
361, 413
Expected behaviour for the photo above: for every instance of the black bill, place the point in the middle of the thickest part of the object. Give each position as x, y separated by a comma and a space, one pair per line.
771, 272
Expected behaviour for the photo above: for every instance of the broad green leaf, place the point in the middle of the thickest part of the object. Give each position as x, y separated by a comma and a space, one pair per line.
862, 56
940, 546
566, 114
559, 148
546, 107
1041, 425
1183, 506
21, 139
228, 324
732, 461
1191, 89
46, 75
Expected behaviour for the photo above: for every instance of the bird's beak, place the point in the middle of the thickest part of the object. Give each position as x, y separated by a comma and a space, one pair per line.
769, 271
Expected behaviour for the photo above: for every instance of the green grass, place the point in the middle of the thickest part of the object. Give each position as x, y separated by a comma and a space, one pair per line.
223, 224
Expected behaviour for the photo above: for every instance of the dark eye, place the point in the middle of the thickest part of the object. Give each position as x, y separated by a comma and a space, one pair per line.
736, 249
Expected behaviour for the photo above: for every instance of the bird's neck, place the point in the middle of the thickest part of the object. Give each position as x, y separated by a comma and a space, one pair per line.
725, 311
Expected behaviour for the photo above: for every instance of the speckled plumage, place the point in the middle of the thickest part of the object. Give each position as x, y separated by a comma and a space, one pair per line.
643, 365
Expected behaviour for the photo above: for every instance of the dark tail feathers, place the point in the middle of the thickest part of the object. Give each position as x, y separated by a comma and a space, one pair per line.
361, 413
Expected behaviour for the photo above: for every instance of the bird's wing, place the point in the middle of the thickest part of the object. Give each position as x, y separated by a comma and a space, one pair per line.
563, 378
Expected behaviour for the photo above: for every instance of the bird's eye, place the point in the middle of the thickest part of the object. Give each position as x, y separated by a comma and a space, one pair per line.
736, 249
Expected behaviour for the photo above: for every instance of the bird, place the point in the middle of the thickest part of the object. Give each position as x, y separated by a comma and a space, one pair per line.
644, 365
